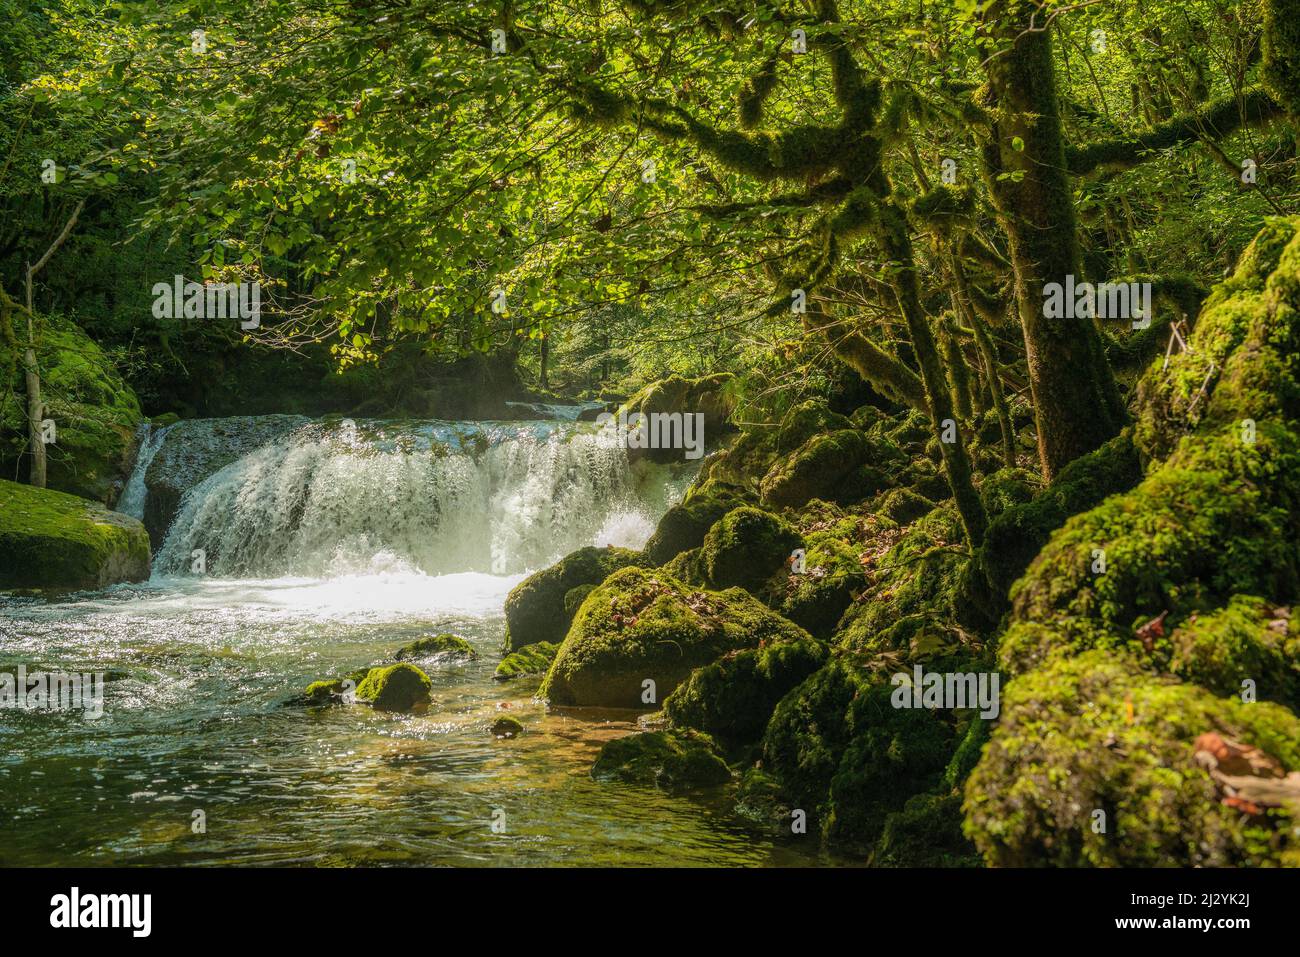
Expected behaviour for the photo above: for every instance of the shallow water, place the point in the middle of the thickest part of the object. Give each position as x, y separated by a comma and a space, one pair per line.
199, 669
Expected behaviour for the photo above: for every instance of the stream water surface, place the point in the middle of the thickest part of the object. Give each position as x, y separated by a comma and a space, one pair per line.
326, 550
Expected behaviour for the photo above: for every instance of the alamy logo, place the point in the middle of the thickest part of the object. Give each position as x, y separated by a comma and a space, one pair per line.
209, 300
53, 691
103, 910
1124, 300
658, 430
935, 690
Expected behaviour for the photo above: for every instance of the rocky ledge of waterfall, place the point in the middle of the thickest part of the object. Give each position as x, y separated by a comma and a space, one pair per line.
52, 540
196, 449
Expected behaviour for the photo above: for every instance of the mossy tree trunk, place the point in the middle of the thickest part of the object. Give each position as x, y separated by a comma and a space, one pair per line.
1076, 400
989, 357
896, 243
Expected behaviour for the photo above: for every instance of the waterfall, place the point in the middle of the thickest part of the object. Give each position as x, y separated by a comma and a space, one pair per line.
333, 499
131, 501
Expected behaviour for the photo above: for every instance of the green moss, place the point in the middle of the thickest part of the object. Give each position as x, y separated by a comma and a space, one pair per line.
745, 547
333, 690
835, 466
574, 597
891, 754
904, 506
50, 539
400, 687
1244, 640
529, 660
808, 734
94, 411
1217, 519
833, 574
684, 526
1098, 733
1020, 531
927, 832
734, 697
506, 727
437, 645
672, 760
641, 626
535, 608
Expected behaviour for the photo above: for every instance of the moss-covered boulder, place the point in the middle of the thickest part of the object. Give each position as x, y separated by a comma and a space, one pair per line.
904, 506
400, 687
437, 646
745, 547
535, 608
51, 539
684, 525
1249, 646
733, 698
835, 466
1018, 532
707, 396
1128, 636
333, 690
1098, 733
196, 449
529, 660
95, 413
643, 630
815, 593
927, 832
673, 760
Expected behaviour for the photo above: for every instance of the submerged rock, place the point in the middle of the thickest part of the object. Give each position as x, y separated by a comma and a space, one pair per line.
535, 608
50, 539
506, 728
531, 659
642, 633
672, 760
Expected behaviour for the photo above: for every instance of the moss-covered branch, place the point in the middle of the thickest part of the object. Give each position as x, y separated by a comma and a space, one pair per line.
1217, 119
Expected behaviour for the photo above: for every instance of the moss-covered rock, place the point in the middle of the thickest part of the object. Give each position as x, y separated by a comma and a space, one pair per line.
733, 698
927, 832
1016, 535
1249, 640
1129, 621
707, 396
333, 690
833, 466
94, 410
437, 646
641, 626
1096, 732
745, 547
400, 687
684, 525
891, 754
50, 539
535, 608
672, 760
904, 506
506, 727
529, 660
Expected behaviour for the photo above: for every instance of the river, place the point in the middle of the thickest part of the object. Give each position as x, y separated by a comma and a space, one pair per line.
325, 550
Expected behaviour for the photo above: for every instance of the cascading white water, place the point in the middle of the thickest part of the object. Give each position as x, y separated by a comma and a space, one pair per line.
434, 498
132, 499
